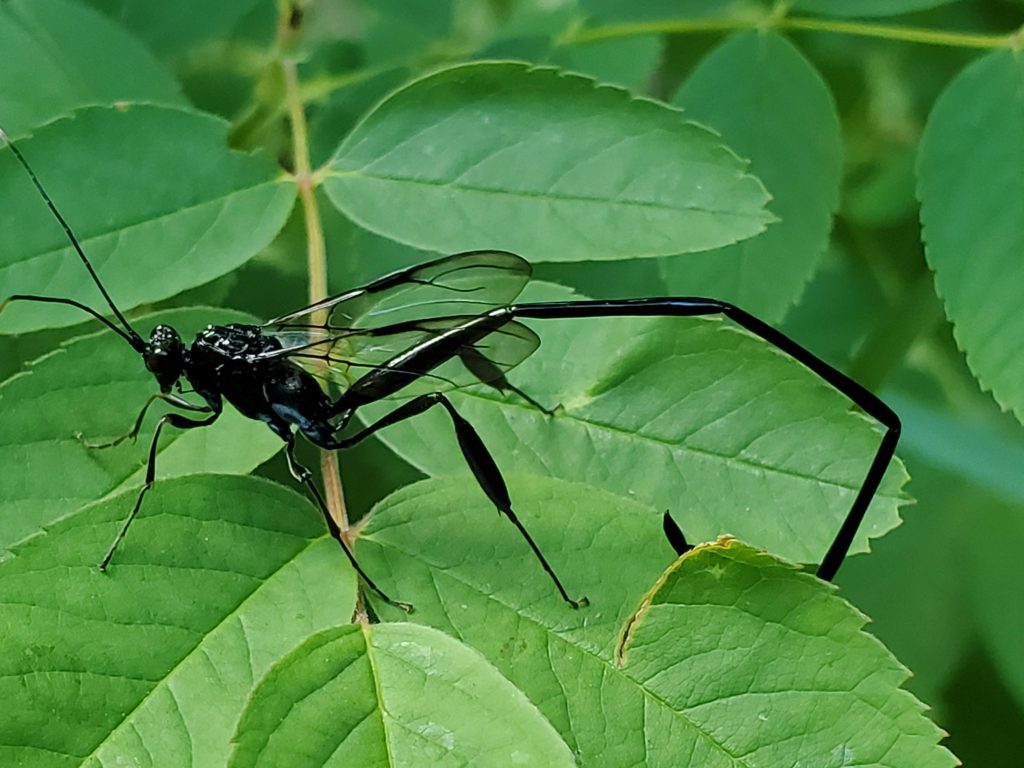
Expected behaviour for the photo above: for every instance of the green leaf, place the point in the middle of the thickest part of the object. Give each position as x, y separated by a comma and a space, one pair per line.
158, 201
960, 537
771, 105
50, 64
997, 586
764, 665
439, 544
534, 19
972, 205
339, 105
394, 695
152, 662
95, 385
866, 7
848, 297
627, 10
217, 50
987, 735
690, 415
542, 163
961, 443
901, 600
398, 31
172, 29
884, 195
606, 279
629, 62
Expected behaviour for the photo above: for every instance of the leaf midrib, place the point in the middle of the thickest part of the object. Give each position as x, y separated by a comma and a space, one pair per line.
759, 215
746, 464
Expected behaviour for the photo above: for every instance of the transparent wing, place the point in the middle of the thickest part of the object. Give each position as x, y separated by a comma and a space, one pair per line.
460, 284
428, 355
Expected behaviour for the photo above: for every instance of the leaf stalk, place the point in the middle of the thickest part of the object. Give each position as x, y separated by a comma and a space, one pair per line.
316, 255
920, 35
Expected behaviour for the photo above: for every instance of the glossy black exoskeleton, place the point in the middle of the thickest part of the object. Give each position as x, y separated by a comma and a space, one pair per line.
444, 323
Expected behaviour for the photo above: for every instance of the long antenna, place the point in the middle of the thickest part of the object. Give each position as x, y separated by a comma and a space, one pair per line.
134, 338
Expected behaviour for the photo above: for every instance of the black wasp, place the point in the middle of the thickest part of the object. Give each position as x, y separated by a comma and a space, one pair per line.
430, 326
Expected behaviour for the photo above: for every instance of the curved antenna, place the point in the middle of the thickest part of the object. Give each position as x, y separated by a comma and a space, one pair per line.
134, 339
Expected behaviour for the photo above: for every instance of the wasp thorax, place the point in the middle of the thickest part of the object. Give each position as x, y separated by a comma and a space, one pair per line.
165, 356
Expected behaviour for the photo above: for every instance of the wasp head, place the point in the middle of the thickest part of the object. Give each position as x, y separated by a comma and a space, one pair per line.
165, 356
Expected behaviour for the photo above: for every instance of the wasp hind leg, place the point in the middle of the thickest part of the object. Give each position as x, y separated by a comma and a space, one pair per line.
303, 475
479, 459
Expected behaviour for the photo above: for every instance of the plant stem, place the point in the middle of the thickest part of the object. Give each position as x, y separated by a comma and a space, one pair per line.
577, 36
833, 26
317, 261
905, 34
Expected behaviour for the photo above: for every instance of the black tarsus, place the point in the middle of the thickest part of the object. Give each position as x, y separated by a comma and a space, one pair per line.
177, 402
304, 476
477, 457
697, 306
175, 420
129, 335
